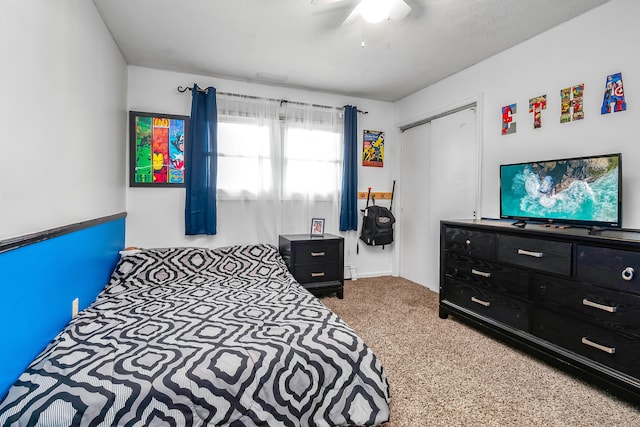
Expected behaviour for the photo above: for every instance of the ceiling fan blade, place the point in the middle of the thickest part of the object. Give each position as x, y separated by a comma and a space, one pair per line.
399, 10
353, 16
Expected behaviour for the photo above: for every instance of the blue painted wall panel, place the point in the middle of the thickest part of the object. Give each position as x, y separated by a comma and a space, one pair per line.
38, 283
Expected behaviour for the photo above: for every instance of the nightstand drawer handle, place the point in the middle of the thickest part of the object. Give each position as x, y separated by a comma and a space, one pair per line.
627, 273
529, 253
317, 254
480, 273
479, 301
599, 306
317, 274
610, 350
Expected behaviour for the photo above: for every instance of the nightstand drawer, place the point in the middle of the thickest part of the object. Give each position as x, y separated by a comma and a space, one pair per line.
318, 252
310, 273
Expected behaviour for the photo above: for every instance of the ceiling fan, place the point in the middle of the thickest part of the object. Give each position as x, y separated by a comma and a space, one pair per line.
372, 11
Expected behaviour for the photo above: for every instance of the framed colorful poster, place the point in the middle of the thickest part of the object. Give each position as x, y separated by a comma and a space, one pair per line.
373, 148
156, 153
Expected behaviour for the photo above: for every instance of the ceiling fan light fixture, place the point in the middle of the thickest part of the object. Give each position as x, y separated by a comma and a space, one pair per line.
374, 11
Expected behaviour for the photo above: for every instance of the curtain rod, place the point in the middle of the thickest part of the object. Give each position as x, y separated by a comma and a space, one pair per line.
281, 101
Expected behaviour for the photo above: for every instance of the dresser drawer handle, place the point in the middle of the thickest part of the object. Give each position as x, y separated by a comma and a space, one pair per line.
627, 273
610, 350
529, 253
317, 254
599, 306
480, 273
479, 301
317, 274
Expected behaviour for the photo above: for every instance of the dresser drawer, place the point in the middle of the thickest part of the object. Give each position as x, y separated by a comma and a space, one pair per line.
615, 268
318, 252
470, 242
487, 274
311, 273
538, 254
616, 350
608, 308
510, 311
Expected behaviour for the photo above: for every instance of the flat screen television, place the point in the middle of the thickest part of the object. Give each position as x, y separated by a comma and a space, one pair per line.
583, 191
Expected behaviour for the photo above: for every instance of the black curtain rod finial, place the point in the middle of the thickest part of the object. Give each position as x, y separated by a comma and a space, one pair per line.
184, 89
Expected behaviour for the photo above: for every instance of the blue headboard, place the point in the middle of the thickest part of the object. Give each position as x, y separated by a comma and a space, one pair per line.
40, 276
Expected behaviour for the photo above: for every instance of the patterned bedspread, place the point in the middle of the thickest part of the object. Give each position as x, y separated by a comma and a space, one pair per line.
193, 337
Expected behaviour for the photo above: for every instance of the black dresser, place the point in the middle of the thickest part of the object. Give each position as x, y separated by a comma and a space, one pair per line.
562, 294
317, 262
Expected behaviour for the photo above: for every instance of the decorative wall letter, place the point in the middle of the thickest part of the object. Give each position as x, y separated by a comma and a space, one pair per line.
613, 95
508, 125
536, 105
567, 104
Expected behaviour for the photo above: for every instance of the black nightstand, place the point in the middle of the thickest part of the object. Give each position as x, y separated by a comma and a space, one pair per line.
317, 262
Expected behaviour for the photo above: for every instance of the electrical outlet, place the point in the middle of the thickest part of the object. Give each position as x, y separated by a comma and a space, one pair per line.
74, 307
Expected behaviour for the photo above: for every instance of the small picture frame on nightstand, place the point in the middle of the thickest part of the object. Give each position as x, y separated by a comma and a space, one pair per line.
317, 227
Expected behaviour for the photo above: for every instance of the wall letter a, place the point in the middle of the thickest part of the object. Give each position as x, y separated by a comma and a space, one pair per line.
613, 95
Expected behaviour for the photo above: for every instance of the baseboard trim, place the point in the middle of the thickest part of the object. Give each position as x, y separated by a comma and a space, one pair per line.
362, 275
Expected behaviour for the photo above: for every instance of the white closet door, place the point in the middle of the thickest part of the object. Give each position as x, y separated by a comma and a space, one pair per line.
440, 165
414, 216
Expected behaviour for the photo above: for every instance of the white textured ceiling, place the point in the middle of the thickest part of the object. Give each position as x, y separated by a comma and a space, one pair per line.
299, 44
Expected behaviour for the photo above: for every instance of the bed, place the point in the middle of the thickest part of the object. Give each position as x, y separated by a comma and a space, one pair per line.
192, 337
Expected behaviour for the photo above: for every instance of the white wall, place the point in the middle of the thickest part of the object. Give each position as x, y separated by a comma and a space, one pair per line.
62, 116
583, 50
156, 215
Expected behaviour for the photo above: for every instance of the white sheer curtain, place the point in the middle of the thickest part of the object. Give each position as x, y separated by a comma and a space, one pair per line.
312, 169
279, 166
249, 153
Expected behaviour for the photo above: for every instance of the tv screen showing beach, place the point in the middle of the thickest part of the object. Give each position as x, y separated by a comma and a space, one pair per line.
580, 189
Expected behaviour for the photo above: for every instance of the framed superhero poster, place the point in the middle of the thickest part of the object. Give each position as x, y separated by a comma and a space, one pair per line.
373, 148
156, 149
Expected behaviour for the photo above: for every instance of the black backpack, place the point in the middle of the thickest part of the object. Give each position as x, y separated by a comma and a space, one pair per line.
377, 226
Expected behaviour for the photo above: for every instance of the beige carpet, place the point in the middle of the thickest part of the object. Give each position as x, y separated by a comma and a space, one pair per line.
444, 373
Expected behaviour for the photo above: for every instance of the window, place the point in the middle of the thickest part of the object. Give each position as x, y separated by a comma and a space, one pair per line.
244, 159
312, 161
278, 151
